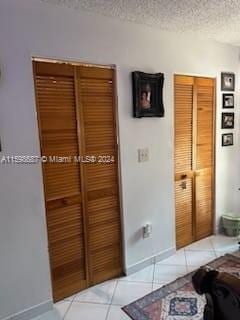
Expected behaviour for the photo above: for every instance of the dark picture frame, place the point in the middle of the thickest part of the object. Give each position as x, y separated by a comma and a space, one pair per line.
227, 139
227, 120
147, 94
227, 81
228, 101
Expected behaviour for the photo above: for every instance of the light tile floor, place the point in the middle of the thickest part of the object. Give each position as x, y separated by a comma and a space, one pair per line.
104, 301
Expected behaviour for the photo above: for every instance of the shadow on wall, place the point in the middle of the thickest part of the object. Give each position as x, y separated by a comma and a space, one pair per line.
136, 236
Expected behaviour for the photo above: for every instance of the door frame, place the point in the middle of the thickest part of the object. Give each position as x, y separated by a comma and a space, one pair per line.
214, 135
117, 137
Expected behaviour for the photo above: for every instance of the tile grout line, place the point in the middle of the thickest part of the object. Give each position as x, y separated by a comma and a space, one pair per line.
215, 251
110, 304
213, 247
135, 281
68, 308
198, 250
185, 256
91, 302
154, 266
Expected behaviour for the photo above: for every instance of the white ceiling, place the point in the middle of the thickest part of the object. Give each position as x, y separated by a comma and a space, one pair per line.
215, 19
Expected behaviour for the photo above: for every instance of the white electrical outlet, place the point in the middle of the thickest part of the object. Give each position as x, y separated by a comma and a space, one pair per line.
143, 155
147, 230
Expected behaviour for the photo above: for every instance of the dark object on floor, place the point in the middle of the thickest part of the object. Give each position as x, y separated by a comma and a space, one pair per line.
179, 299
222, 291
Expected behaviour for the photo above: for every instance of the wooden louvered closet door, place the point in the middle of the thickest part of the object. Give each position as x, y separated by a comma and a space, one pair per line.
77, 119
55, 93
184, 87
194, 157
98, 128
204, 168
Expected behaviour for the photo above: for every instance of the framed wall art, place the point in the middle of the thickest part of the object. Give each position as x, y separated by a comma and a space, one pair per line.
227, 81
227, 139
228, 100
147, 94
227, 120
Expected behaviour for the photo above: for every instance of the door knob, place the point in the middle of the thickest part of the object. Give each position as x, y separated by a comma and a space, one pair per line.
65, 201
183, 185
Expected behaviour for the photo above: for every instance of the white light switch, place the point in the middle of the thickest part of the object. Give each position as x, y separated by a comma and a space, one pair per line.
143, 155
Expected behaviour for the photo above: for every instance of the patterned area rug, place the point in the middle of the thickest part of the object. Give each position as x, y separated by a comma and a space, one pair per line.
178, 300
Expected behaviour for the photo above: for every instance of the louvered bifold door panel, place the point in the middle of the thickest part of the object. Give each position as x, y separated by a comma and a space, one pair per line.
204, 156
184, 212
183, 159
55, 93
204, 205
96, 100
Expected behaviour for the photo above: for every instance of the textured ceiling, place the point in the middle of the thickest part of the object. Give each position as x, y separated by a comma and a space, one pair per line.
215, 19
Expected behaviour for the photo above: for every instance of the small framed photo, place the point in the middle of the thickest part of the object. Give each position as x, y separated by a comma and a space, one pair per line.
228, 100
227, 120
227, 81
147, 94
227, 139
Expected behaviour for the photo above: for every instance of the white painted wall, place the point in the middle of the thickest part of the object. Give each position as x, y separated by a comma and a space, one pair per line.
30, 28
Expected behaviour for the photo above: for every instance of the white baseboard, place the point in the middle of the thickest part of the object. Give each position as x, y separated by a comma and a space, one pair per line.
151, 260
165, 254
32, 312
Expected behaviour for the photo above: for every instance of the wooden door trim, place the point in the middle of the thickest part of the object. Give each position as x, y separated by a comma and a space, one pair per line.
119, 167
187, 75
194, 156
214, 156
73, 62
42, 167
